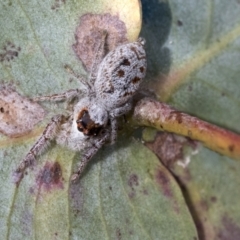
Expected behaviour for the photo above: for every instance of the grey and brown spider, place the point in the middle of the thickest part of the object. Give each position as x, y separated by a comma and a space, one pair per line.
108, 94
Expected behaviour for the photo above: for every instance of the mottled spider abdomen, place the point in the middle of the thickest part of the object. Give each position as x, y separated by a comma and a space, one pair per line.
120, 74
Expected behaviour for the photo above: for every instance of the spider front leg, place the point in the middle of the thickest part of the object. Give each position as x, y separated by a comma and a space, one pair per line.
68, 95
42, 143
113, 119
100, 53
89, 153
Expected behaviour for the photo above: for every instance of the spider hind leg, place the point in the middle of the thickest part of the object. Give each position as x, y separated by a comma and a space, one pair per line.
42, 143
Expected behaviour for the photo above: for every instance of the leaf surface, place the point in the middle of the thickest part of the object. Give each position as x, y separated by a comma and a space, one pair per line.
194, 55
125, 193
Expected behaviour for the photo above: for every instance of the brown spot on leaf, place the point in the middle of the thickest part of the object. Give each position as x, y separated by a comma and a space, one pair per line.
145, 191
90, 31
31, 190
26, 220
118, 234
176, 207
57, 4
77, 199
9, 51
179, 23
18, 115
213, 199
164, 182
204, 205
50, 177
167, 147
133, 182
190, 88
229, 229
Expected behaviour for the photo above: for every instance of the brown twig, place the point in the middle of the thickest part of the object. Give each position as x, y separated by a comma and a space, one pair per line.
149, 112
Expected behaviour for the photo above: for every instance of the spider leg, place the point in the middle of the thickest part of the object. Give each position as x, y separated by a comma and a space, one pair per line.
82, 79
114, 129
41, 144
89, 153
68, 95
113, 119
98, 57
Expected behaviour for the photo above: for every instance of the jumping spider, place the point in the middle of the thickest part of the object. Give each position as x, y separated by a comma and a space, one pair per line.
113, 81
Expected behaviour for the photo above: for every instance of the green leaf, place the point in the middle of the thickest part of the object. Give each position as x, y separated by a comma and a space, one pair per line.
132, 195
194, 55
211, 184
125, 193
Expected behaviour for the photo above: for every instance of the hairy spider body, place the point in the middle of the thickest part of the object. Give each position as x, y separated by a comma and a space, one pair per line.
112, 83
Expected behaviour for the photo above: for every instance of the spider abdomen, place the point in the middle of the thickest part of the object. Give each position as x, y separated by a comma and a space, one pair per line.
120, 74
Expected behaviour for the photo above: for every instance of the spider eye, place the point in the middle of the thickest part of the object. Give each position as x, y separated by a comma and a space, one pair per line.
85, 120
86, 125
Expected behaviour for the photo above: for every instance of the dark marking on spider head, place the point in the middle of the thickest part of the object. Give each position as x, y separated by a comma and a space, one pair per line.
86, 125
